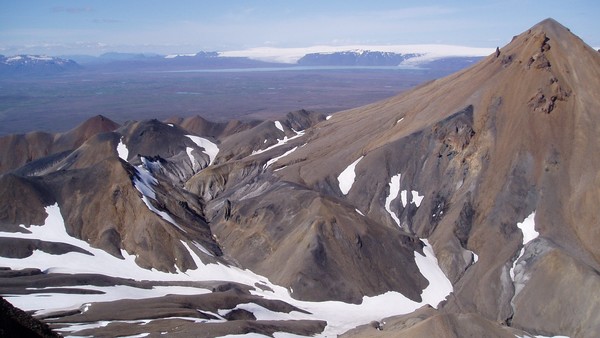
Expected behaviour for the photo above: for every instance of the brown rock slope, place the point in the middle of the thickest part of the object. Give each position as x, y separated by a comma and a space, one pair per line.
92, 181
485, 148
19, 149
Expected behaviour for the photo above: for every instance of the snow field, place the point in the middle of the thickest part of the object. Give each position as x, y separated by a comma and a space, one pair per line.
340, 316
427, 52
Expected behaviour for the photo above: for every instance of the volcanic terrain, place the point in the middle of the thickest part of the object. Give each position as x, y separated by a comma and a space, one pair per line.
467, 206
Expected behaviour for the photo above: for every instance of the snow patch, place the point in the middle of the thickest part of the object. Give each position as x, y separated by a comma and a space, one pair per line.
210, 148
416, 198
347, 176
278, 125
200, 247
439, 286
359, 212
394, 189
527, 228
279, 143
403, 196
273, 160
122, 150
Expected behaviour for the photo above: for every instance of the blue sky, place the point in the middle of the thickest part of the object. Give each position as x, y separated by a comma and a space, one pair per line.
95, 27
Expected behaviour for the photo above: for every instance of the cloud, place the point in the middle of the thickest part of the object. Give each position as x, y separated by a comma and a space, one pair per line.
72, 10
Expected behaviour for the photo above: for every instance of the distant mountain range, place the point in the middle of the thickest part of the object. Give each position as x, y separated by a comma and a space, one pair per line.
35, 64
424, 56
355, 58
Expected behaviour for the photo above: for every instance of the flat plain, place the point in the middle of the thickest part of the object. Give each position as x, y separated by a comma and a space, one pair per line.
60, 102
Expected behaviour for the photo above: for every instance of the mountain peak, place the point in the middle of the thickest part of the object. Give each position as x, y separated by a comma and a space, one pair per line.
550, 24
553, 30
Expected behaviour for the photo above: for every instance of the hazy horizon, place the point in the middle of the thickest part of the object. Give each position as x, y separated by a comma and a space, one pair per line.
70, 27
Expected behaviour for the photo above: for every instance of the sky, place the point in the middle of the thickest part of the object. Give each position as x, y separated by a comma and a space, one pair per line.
184, 26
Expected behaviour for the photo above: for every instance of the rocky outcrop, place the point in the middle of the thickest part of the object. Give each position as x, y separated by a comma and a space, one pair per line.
17, 323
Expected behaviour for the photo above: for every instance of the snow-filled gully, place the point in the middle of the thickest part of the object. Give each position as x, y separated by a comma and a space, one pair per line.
394, 187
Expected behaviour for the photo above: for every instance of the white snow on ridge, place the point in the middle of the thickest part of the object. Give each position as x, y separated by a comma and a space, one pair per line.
210, 148
275, 159
292, 55
278, 125
394, 189
347, 176
122, 150
279, 143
